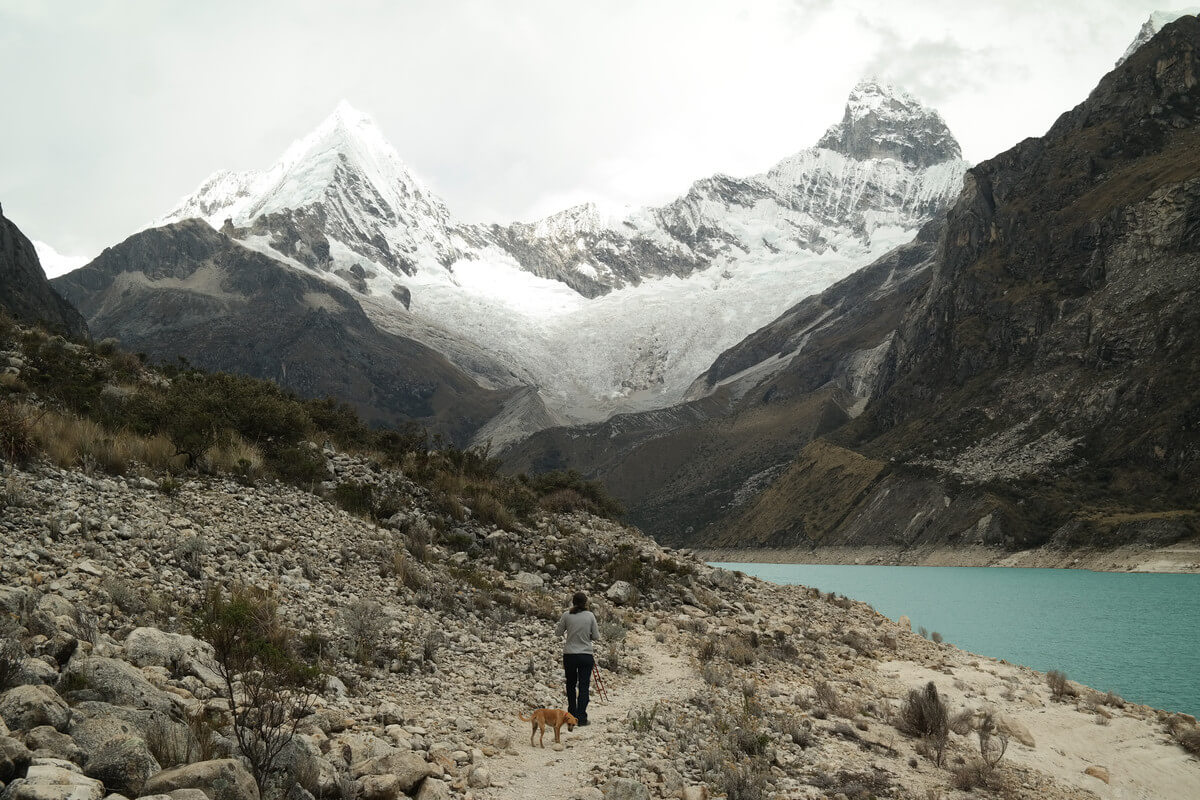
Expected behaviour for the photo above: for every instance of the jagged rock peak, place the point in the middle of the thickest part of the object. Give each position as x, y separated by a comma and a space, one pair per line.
1157, 21
883, 121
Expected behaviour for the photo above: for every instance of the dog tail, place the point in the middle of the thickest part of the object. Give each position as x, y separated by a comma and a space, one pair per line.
524, 718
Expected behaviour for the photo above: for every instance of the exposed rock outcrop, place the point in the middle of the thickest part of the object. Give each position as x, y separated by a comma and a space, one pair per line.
25, 294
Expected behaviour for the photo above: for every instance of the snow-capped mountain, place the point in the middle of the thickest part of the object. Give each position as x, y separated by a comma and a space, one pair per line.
343, 182
600, 313
55, 263
1153, 25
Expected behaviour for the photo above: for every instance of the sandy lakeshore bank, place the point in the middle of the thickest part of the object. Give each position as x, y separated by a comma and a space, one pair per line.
1183, 557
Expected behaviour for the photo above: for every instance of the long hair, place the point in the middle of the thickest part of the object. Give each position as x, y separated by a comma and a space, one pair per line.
578, 602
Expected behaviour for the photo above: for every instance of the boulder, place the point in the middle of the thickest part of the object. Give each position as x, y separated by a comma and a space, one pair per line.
695, 793
123, 765
221, 779
379, 787
44, 740
51, 781
587, 793
409, 767
1015, 730
625, 789
432, 789
150, 647
14, 759
620, 593
1099, 773
27, 707
530, 580
480, 778
94, 724
117, 682
497, 736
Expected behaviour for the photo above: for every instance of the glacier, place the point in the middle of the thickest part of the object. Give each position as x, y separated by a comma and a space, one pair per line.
597, 313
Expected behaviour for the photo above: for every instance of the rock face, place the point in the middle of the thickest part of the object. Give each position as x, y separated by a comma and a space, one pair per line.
188, 290
25, 294
884, 122
1044, 329
1056, 341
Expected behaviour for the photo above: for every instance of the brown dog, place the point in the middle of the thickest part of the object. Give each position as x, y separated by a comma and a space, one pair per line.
555, 717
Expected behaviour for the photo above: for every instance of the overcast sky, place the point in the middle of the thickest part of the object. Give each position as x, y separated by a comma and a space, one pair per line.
510, 110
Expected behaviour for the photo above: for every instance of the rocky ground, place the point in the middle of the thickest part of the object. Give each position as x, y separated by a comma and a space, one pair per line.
433, 633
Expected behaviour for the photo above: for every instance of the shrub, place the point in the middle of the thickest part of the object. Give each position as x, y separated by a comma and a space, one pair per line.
12, 658
992, 743
364, 622
1189, 739
268, 688
302, 465
355, 498
924, 714
17, 444
936, 637
969, 776
569, 491
745, 782
707, 651
1060, 688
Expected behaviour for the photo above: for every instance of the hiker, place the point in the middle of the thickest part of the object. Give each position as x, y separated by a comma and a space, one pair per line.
579, 626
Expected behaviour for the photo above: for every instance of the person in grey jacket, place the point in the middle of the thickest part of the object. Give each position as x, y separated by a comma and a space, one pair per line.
579, 627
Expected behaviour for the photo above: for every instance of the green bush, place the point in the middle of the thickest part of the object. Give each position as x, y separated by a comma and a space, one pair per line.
355, 498
569, 491
266, 683
17, 444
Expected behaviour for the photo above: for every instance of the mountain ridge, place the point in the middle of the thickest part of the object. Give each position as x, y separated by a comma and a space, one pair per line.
598, 314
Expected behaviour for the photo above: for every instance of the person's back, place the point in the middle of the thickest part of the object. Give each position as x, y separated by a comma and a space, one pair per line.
580, 629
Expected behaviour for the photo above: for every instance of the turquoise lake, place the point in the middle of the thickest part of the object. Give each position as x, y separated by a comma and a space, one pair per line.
1137, 634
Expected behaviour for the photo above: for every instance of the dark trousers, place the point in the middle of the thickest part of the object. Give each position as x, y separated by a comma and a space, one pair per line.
578, 667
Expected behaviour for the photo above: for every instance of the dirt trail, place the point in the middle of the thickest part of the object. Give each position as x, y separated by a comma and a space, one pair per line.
552, 775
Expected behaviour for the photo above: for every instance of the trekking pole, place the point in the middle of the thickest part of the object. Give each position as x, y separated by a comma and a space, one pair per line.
599, 683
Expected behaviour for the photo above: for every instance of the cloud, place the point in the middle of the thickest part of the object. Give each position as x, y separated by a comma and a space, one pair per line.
116, 108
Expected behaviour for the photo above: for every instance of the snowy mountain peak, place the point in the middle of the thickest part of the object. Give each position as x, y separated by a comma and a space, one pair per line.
884, 121
343, 181
1157, 21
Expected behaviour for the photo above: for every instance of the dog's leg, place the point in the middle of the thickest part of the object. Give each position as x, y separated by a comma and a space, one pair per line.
542, 738
532, 731
557, 728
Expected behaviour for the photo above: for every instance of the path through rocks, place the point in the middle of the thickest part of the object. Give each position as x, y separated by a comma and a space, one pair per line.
559, 775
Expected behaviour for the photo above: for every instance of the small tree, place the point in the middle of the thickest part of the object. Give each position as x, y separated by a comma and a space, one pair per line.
268, 687
924, 714
993, 743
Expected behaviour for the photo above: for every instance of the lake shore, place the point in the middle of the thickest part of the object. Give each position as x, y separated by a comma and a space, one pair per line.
1183, 557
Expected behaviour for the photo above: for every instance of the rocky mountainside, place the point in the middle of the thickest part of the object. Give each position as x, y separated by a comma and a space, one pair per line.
592, 314
975, 386
432, 635
1040, 389
25, 294
682, 469
185, 289
1152, 26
